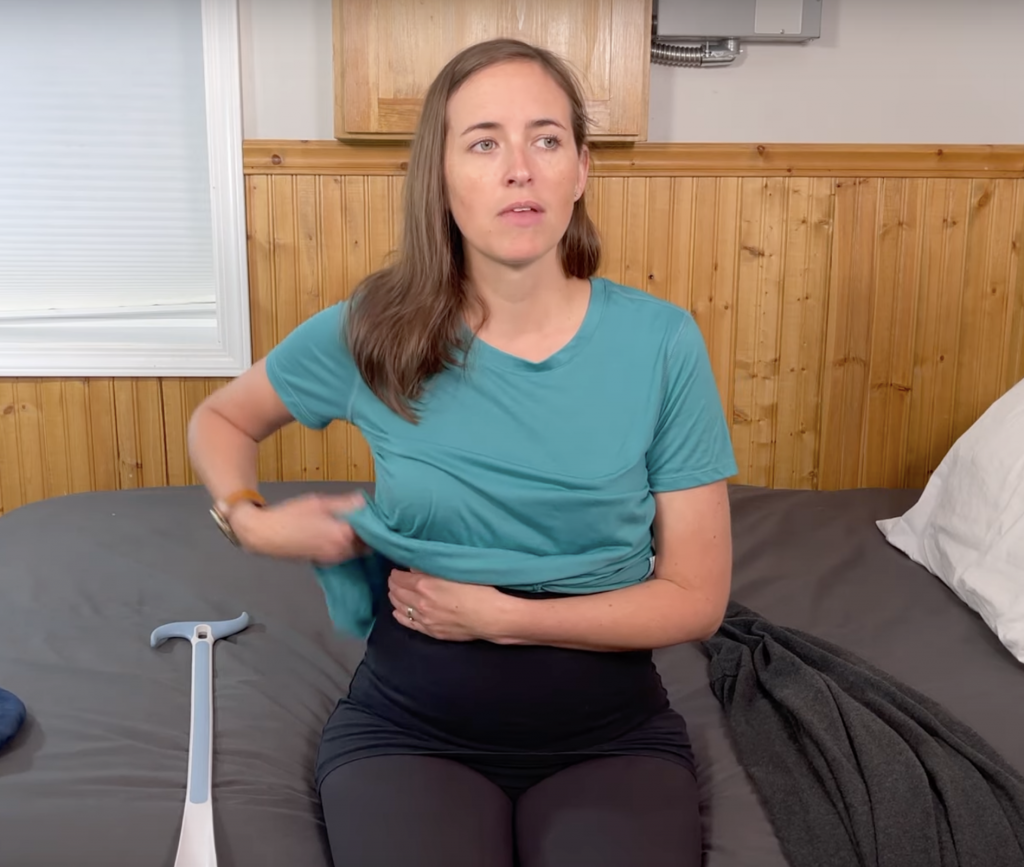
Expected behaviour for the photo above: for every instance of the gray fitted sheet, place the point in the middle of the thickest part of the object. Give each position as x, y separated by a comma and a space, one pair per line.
97, 775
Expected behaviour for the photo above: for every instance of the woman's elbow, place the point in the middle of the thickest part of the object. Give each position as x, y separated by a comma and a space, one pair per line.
713, 617
713, 624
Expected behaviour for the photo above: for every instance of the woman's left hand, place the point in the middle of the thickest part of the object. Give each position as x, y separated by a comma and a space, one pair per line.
442, 609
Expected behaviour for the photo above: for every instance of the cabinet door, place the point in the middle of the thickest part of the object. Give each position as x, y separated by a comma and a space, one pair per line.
386, 53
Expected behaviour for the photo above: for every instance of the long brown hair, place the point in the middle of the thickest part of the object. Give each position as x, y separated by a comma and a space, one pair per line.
404, 322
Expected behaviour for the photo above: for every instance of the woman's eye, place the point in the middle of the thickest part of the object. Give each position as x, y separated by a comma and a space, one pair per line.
550, 142
485, 145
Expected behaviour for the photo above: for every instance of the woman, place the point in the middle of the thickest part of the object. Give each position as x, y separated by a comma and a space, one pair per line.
538, 433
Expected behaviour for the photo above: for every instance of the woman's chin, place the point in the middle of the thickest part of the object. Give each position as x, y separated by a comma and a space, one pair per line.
521, 256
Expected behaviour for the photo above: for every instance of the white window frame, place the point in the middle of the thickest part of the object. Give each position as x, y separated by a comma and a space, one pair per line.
146, 342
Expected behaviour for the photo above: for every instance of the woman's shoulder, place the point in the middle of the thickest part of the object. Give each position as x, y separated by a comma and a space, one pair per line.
316, 346
631, 309
312, 370
322, 331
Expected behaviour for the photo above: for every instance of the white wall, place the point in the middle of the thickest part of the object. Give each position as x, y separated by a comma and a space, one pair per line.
904, 71
287, 69
884, 71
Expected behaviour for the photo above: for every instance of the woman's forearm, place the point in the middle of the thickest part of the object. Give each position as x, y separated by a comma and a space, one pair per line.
223, 457
225, 431
656, 613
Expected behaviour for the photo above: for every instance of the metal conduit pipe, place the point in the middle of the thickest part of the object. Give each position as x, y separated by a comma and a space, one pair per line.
717, 53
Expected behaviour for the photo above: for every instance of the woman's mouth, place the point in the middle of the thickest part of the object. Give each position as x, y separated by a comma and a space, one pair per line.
522, 213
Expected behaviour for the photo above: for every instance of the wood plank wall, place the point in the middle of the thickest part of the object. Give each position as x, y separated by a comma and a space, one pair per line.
862, 307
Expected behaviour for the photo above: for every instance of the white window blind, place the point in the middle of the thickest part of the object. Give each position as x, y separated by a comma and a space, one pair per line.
122, 235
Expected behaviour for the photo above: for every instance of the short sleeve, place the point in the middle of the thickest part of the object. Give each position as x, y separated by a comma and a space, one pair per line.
312, 370
691, 444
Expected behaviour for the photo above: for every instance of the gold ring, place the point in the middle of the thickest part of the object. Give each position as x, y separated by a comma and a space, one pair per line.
409, 612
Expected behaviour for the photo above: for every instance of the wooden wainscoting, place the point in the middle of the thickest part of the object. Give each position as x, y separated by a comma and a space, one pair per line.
861, 306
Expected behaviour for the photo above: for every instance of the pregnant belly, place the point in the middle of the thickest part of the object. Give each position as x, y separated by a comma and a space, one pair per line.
478, 694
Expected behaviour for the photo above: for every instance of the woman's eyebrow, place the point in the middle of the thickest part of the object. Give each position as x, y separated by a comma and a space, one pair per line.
490, 124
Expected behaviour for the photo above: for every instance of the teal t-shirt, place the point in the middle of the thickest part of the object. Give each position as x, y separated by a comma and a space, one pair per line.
531, 475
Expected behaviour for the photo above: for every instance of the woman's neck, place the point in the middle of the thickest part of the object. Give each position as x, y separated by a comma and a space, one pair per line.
526, 300
532, 312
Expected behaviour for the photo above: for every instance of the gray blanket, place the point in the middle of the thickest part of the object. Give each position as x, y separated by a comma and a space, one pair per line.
852, 766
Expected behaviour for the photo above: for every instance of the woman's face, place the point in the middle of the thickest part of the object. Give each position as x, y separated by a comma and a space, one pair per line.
511, 167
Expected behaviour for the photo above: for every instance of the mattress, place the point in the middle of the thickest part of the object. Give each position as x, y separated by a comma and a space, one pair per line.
96, 776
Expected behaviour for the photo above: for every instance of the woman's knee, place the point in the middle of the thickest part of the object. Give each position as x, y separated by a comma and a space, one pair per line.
417, 811
621, 811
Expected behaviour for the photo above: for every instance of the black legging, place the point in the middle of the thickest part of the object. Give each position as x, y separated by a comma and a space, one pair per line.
421, 811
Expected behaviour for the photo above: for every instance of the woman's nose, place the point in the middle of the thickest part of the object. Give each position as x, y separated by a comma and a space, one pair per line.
518, 171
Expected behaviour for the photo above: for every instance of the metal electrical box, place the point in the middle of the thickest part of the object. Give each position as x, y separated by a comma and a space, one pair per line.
747, 20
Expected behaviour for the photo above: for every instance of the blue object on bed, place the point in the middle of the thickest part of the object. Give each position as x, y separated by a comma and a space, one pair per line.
12, 716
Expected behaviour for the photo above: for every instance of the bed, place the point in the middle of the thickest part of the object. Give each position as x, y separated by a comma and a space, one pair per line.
96, 775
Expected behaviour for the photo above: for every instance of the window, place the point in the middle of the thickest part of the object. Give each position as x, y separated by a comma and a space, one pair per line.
122, 215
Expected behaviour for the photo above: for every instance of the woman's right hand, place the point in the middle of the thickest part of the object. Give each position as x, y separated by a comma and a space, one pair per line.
302, 528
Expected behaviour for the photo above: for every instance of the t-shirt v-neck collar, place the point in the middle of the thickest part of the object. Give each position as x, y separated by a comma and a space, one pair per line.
493, 357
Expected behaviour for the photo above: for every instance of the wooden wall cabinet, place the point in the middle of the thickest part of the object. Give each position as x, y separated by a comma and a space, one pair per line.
386, 53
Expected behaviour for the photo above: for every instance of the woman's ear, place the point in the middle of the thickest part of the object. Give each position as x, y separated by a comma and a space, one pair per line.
582, 173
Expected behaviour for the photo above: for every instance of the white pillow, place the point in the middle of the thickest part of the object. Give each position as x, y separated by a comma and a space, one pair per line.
968, 526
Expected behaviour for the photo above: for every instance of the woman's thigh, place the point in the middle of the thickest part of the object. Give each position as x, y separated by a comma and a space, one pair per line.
620, 811
415, 811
